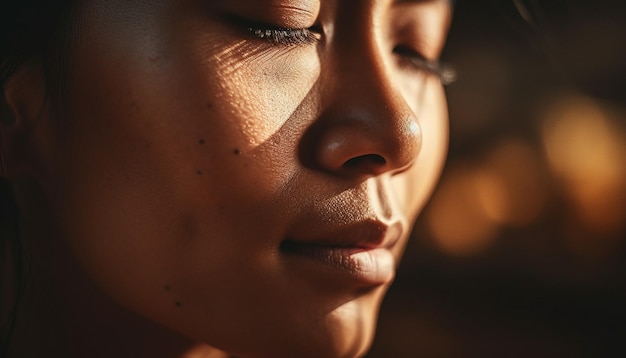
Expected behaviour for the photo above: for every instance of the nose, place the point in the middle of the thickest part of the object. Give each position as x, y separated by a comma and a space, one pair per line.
367, 127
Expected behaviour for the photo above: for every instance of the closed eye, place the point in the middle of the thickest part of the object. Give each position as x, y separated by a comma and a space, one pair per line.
445, 73
283, 36
277, 35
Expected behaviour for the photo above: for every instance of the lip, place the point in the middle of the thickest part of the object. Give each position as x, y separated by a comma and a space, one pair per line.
358, 254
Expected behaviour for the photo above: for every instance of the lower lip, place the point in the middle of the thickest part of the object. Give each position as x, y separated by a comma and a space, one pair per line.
368, 267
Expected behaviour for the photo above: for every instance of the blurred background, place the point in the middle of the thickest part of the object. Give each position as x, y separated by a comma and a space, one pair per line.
522, 250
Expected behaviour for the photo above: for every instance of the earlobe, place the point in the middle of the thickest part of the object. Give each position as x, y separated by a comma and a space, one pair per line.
22, 105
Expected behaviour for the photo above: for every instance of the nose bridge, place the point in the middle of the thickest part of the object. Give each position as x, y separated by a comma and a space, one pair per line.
371, 89
368, 127
364, 56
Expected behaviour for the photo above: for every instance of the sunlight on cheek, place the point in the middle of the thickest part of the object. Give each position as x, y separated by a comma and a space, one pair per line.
433, 123
202, 351
266, 86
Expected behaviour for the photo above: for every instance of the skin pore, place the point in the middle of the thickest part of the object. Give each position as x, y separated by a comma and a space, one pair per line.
210, 154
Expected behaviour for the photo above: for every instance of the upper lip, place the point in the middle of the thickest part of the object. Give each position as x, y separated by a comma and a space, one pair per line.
366, 234
364, 217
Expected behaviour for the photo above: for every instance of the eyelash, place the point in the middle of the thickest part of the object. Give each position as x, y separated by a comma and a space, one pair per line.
445, 73
282, 36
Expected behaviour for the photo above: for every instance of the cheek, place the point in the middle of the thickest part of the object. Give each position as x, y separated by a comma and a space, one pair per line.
132, 164
160, 150
419, 182
435, 126
257, 86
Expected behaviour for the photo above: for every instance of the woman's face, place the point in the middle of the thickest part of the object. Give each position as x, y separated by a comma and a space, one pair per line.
249, 185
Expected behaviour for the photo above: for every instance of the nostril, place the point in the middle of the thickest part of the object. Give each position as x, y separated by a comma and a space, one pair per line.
364, 161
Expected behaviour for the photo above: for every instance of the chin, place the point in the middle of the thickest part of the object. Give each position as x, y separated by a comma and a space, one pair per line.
345, 332
342, 342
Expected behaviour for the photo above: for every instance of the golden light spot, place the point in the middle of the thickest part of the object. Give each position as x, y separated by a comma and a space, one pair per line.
456, 218
510, 185
585, 145
492, 195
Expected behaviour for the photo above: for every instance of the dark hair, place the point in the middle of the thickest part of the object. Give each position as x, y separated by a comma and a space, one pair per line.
30, 31
11, 274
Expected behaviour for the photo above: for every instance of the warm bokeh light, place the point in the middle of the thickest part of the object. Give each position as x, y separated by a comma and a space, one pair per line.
456, 217
512, 187
507, 188
585, 144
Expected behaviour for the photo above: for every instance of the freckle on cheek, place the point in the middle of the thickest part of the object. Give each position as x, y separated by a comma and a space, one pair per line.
178, 304
167, 288
201, 142
199, 172
236, 151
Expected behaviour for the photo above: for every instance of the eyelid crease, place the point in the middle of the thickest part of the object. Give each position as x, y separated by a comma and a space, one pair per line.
298, 11
295, 13
286, 13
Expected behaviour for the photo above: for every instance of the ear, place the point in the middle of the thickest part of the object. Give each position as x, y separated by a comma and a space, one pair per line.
22, 106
